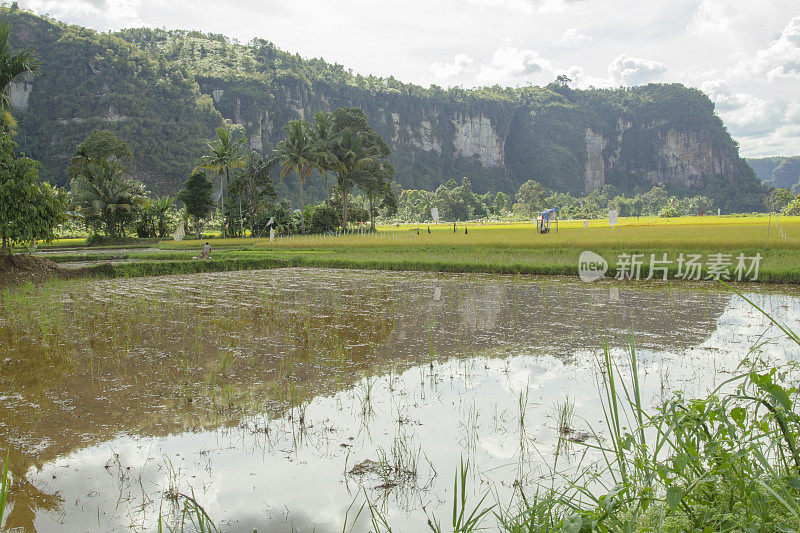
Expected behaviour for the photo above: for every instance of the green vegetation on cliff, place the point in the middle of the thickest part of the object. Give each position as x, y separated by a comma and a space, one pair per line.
92, 80
164, 92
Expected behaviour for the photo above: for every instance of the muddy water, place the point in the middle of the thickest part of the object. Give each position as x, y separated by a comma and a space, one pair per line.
272, 396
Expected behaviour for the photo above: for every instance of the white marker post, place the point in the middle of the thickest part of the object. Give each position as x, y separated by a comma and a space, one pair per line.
435, 214
612, 217
585, 226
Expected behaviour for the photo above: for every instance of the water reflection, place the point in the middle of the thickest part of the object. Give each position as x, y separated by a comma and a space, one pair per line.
250, 387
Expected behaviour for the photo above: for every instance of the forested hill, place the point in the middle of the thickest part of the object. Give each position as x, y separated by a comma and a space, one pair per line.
165, 91
777, 171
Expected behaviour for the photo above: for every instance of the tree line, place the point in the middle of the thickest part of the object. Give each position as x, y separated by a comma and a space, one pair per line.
456, 202
241, 198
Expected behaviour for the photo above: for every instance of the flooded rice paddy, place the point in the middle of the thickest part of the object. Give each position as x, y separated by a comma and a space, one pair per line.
282, 399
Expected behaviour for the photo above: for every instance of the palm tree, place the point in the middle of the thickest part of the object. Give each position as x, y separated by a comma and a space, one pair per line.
350, 158
324, 137
12, 65
297, 153
226, 154
160, 208
107, 197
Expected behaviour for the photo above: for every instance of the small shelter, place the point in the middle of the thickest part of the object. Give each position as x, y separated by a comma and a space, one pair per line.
546, 218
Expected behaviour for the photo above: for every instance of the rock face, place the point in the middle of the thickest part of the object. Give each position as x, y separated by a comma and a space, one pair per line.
424, 139
464, 134
677, 157
256, 138
475, 136
595, 165
19, 93
686, 156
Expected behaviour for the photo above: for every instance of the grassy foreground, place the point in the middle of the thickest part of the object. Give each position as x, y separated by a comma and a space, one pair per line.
490, 248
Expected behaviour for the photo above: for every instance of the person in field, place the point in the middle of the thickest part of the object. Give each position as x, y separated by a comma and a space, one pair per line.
205, 251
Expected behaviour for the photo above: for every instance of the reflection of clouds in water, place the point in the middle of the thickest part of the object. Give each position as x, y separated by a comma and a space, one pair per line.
257, 475
742, 325
740, 317
702, 367
257, 471
500, 446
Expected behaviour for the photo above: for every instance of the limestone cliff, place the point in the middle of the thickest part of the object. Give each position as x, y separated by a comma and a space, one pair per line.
595, 164
165, 92
679, 157
475, 137
448, 138
19, 92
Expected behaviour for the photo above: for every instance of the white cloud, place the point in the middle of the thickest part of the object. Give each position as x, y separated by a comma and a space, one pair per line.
711, 19
781, 59
511, 65
740, 25
784, 140
442, 70
763, 126
576, 74
745, 114
573, 37
101, 14
524, 6
627, 70
582, 80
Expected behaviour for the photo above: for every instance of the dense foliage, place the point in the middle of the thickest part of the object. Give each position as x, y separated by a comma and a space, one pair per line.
165, 92
102, 189
30, 210
92, 80
457, 202
251, 197
297, 154
224, 153
196, 197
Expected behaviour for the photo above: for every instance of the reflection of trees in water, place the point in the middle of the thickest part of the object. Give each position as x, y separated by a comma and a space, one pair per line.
559, 317
480, 306
25, 500
83, 362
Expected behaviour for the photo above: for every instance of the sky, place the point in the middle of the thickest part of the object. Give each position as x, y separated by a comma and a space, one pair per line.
745, 54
